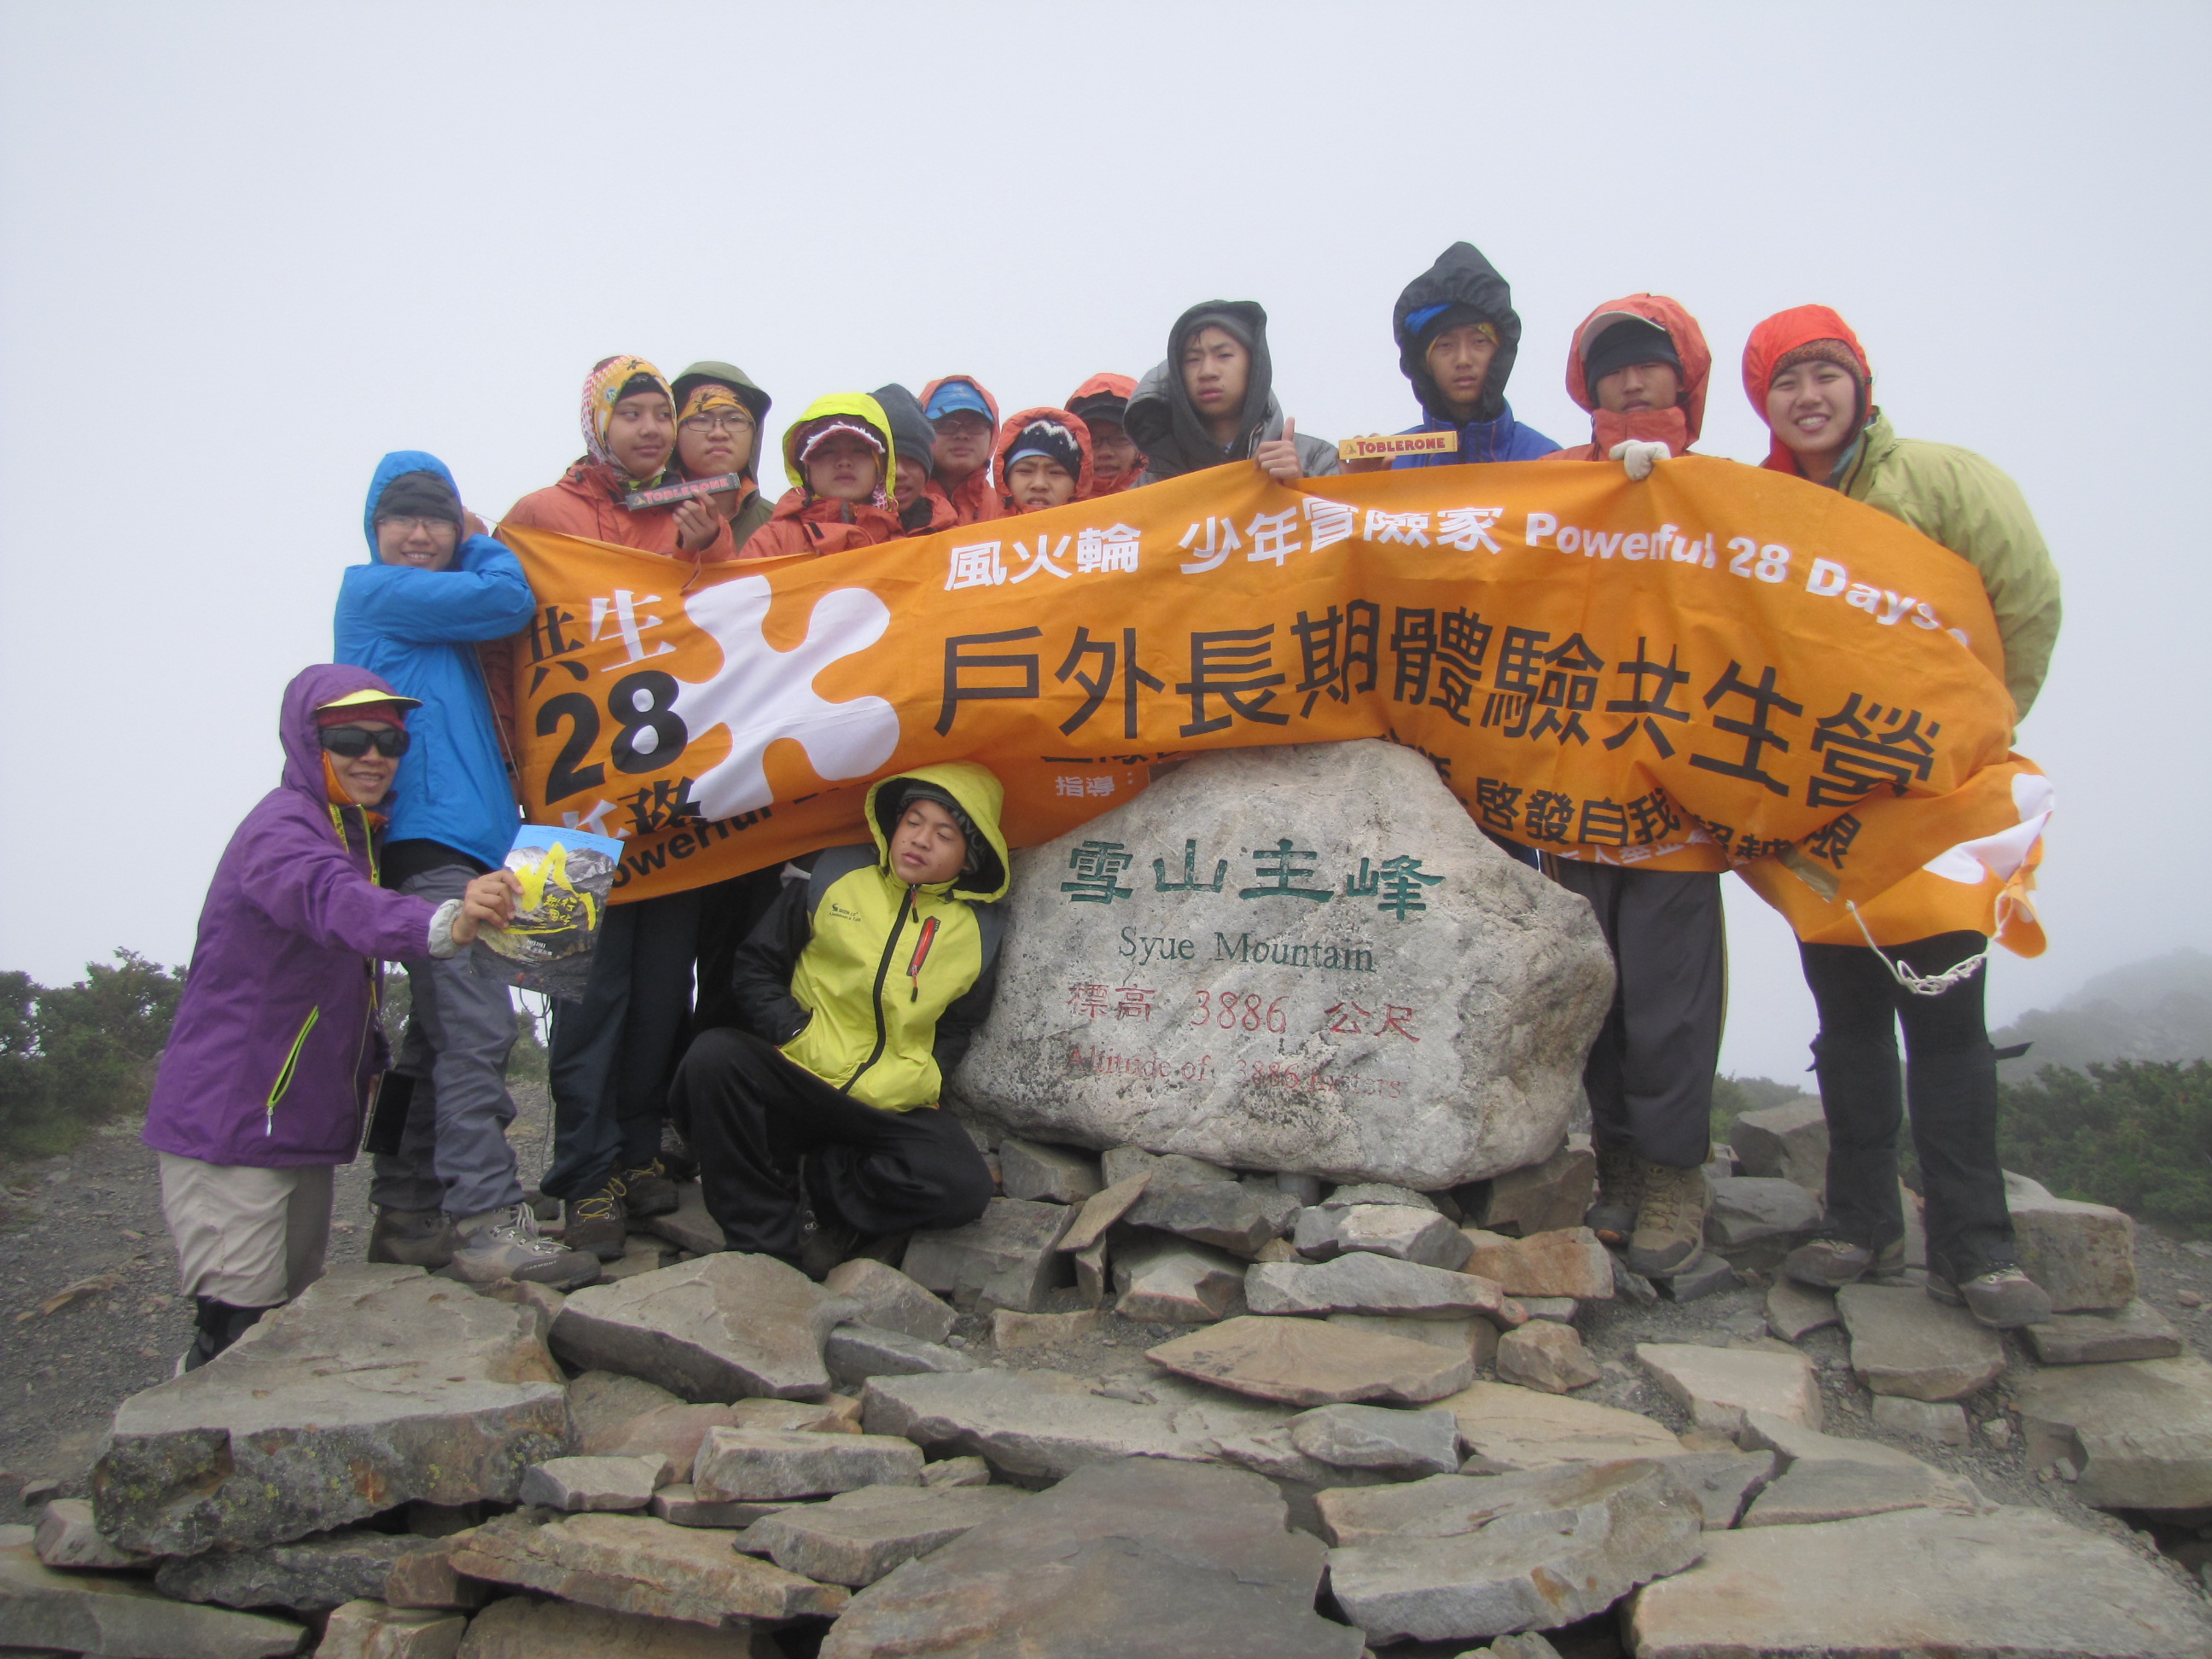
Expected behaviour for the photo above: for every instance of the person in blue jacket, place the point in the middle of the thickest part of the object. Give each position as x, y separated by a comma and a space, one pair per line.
1457, 335
436, 586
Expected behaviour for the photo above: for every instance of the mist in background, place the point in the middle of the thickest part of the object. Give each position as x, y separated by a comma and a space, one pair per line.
248, 249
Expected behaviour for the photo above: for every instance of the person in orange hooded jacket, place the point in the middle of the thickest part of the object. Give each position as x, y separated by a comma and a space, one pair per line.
1044, 461
1102, 404
630, 440
1640, 366
966, 419
839, 458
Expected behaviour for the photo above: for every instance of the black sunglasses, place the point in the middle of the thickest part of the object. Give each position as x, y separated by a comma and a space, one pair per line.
355, 741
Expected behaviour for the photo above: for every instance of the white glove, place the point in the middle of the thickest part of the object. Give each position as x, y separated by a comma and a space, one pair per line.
1637, 456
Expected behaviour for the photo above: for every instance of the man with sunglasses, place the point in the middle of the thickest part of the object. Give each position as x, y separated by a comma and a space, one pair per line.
434, 587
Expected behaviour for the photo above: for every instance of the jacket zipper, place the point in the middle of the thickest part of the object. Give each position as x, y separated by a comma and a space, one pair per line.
291, 1065
882, 973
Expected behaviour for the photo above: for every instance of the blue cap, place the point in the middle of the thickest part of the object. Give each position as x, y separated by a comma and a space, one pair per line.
955, 395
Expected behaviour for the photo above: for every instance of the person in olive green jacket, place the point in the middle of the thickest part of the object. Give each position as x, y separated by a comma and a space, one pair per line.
1808, 377
855, 995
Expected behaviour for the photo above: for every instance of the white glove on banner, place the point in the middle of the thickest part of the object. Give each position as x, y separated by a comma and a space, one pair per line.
1637, 456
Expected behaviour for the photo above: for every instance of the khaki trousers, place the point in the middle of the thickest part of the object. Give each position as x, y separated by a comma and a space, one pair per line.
249, 1236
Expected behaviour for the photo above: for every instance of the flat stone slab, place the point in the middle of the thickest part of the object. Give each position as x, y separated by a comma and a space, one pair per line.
378, 1387
1747, 1209
1717, 1386
2084, 1254
680, 1505
628, 1417
66, 1537
1568, 1262
887, 1299
1723, 1482
1945, 1424
1160, 1280
1522, 1552
858, 1537
1008, 1258
855, 1353
1126, 1162
751, 1464
1476, 1338
1407, 1443
1058, 1175
1793, 1443
1903, 1342
1361, 1282
2138, 1331
724, 1327
1789, 1142
307, 1574
634, 1564
1406, 1232
519, 1627
1546, 1356
1795, 1310
1138, 1557
1542, 1197
1308, 1362
1011, 1330
688, 1226
1812, 1491
2139, 1434
370, 1630
1228, 1215
1101, 1210
112, 1614
2017, 1582
957, 1471
576, 1485
1507, 1429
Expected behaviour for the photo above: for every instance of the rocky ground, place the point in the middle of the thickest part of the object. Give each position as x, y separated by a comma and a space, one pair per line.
1025, 1403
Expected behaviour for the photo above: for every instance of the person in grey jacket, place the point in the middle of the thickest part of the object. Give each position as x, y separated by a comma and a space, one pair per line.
1213, 401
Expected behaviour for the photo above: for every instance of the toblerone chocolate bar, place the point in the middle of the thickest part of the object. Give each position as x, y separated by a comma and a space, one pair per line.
691, 490
1404, 443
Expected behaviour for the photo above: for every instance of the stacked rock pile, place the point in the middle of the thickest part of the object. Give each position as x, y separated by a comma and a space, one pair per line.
1144, 1405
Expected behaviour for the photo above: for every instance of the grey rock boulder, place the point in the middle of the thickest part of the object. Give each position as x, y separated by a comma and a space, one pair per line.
2139, 1433
1407, 1443
65, 1537
859, 1536
2084, 1254
44, 1611
724, 1327
1404, 1231
1542, 1197
753, 1464
2138, 1331
1363, 1282
574, 1484
1228, 1215
1502, 978
1138, 1557
1789, 1142
521, 1627
1167, 1280
1006, 1259
1748, 1209
855, 1353
379, 1386
1057, 1174
1309, 1361
887, 1299
308, 1575
1812, 1491
1508, 1428
1718, 1386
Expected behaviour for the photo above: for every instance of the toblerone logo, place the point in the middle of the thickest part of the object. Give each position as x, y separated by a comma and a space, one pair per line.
1404, 443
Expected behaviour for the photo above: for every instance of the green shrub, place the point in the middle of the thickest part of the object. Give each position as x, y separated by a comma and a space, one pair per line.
74, 1056
1735, 1096
2136, 1134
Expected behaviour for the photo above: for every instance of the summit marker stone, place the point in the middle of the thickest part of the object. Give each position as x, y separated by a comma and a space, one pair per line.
1386, 996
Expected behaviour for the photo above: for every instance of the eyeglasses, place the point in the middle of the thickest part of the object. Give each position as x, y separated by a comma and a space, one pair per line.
354, 741
410, 523
734, 420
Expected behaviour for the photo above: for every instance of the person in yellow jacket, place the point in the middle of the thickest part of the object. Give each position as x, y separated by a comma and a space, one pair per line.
858, 992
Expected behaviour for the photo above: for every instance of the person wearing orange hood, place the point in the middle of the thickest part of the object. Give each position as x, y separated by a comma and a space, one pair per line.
629, 442
1102, 404
839, 458
1639, 364
966, 419
1808, 376
1044, 461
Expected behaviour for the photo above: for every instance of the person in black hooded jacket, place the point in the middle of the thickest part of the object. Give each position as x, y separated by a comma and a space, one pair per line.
923, 509
1213, 401
1457, 335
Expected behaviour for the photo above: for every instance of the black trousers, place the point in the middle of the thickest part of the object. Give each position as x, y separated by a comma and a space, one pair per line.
1649, 1074
750, 1114
614, 1051
1950, 1080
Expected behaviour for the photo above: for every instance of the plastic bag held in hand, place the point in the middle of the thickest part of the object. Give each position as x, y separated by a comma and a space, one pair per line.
1637, 456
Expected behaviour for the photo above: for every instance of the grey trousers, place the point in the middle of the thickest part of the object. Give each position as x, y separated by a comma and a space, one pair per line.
453, 1154
1649, 1074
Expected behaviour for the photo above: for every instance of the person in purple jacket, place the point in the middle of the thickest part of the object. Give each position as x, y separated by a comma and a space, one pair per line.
267, 1076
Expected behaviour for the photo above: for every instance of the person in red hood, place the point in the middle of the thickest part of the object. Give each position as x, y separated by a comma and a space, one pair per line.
1807, 375
1044, 461
966, 418
839, 456
630, 440
1639, 364
1102, 404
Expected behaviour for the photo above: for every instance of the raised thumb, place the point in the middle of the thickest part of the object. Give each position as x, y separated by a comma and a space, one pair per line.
1290, 431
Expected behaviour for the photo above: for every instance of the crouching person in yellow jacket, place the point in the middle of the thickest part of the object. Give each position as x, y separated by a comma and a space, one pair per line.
857, 993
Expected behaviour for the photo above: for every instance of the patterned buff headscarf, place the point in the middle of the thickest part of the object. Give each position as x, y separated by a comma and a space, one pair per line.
611, 379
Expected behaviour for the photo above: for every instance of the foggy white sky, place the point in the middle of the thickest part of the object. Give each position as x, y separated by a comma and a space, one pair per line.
246, 250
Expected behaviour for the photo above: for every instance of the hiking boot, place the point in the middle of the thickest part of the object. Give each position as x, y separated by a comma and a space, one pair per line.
1620, 1193
823, 1248
216, 1327
649, 1191
1670, 1223
506, 1245
678, 1162
1829, 1264
597, 1223
2003, 1299
412, 1238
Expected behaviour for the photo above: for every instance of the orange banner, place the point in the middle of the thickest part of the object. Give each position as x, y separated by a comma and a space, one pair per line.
1714, 667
